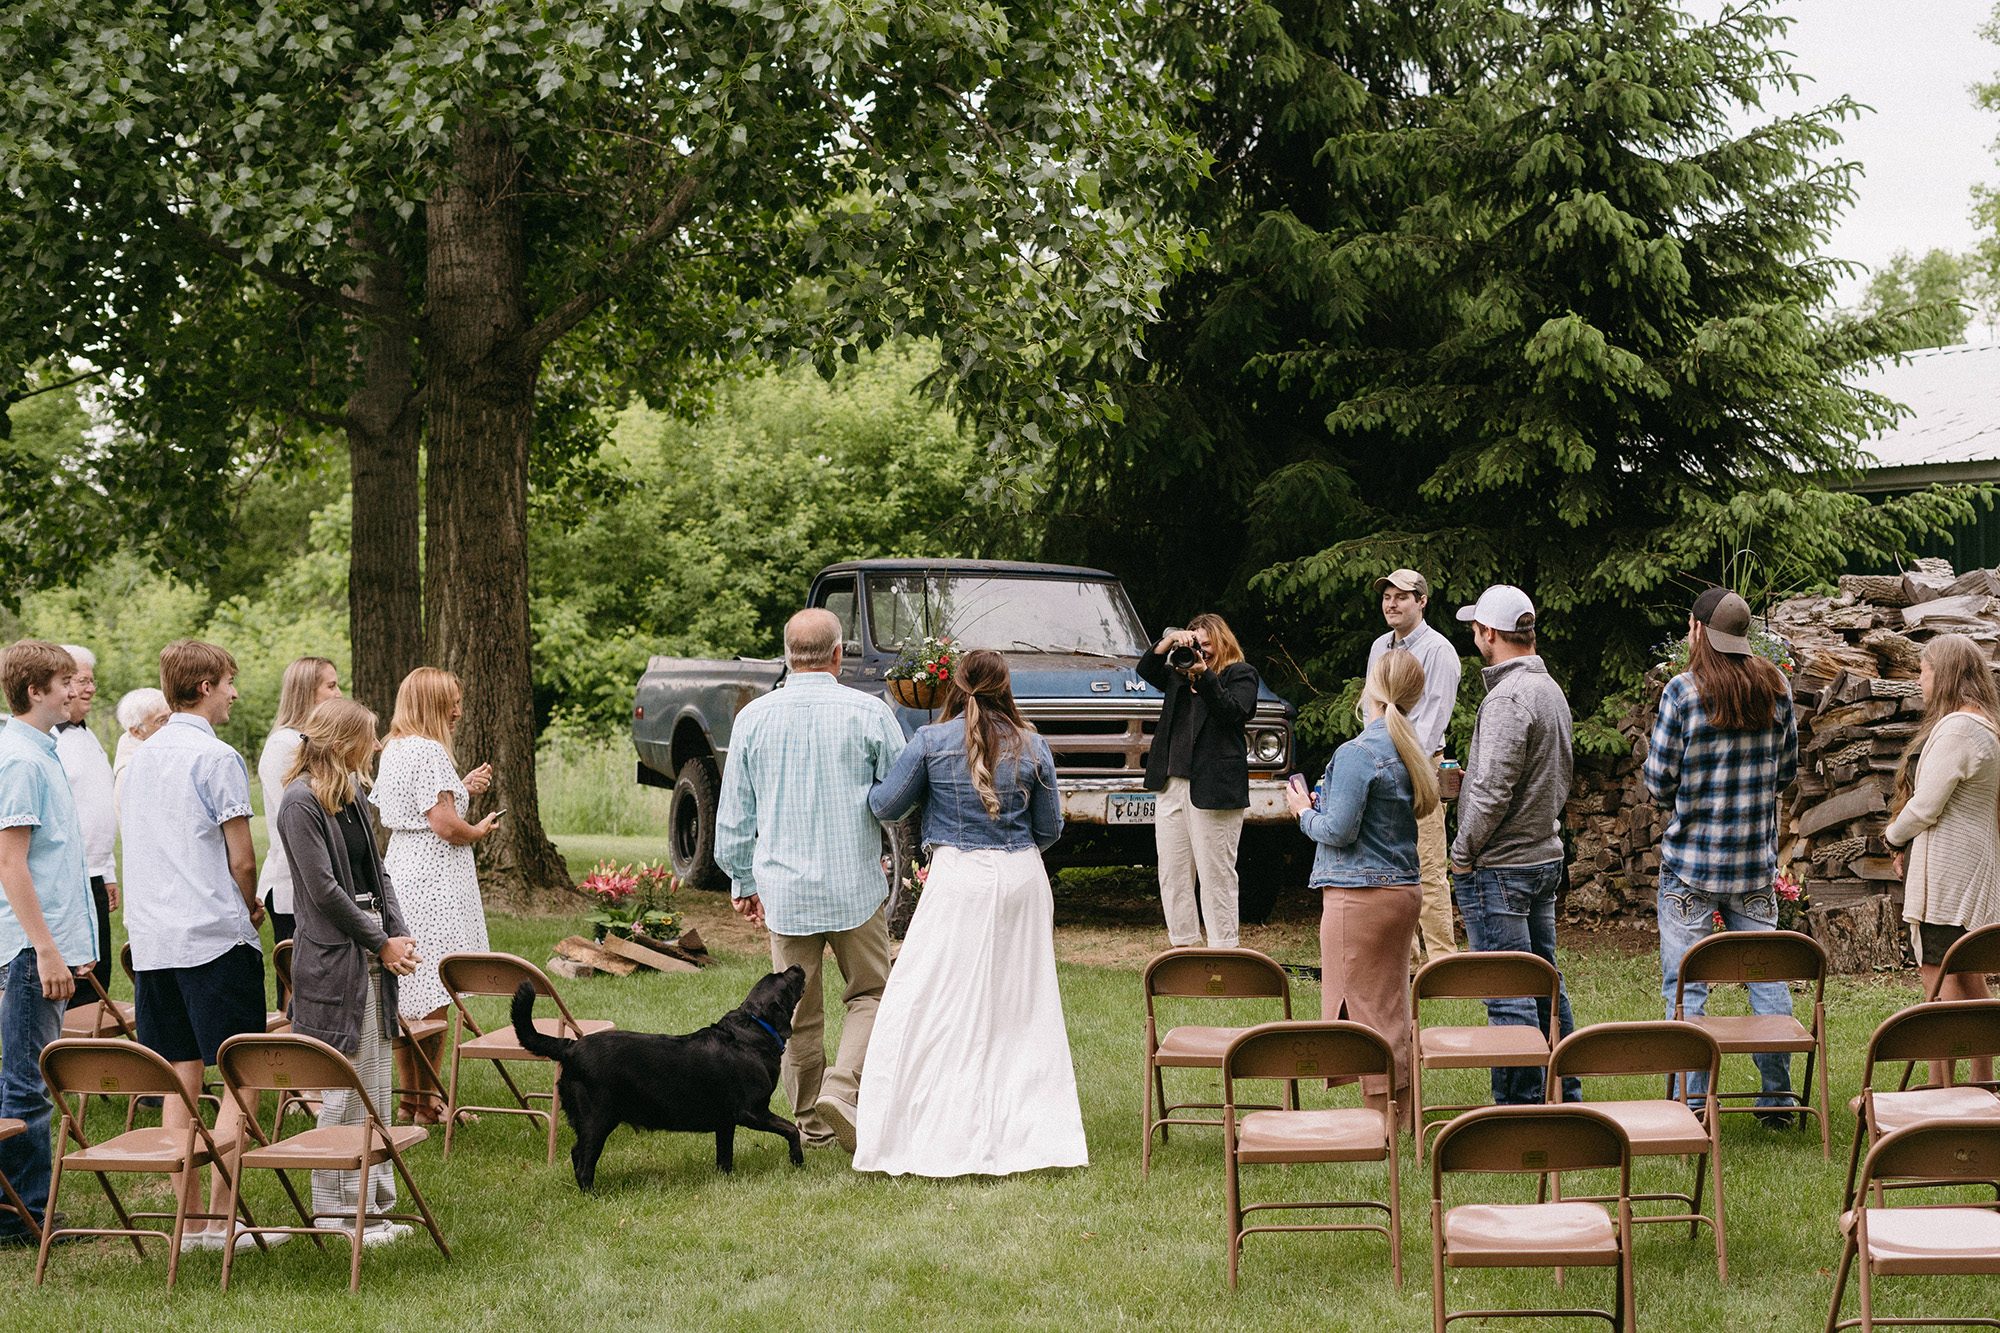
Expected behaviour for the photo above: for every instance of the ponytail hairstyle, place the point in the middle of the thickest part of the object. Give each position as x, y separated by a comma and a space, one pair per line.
982, 692
336, 745
1960, 680
1396, 681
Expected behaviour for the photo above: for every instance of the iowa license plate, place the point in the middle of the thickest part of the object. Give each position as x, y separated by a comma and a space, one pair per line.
1129, 809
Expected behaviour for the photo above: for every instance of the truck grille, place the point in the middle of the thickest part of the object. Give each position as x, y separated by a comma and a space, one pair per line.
1096, 747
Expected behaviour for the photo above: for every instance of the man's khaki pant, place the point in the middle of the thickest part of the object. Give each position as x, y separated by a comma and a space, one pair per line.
1196, 844
1434, 920
862, 954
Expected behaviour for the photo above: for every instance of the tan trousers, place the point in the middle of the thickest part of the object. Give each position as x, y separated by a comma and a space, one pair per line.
1196, 845
1434, 920
862, 954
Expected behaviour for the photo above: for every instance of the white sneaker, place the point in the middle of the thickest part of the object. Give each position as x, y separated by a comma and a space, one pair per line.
247, 1241
384, 1233
840, 1118
200, 1240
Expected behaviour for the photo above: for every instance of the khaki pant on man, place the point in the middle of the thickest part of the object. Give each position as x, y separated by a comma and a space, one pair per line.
1434, 920
1195, 843
862, 954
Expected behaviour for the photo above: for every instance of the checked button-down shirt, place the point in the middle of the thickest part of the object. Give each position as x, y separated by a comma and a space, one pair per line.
1722, 788
793, 826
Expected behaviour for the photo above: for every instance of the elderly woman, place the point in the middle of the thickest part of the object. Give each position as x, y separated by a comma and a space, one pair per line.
350, 944
141, 713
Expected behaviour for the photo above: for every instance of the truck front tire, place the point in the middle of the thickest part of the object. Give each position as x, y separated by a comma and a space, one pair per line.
691, 826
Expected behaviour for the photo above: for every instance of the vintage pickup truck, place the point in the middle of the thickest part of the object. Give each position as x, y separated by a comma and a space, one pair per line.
1071, 639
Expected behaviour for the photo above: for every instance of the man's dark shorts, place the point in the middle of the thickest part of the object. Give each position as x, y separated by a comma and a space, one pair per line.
186, 1013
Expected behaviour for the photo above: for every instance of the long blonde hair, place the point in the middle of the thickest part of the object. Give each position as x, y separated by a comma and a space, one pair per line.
1396, 681
1960, 679
300, 690
1223, 648
423, 706
982, 691
329, 740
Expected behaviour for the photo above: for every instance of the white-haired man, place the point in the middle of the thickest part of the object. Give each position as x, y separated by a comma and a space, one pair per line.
89, 773
794, 834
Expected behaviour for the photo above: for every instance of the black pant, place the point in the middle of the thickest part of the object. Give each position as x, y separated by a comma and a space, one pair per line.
281, 929
106, 968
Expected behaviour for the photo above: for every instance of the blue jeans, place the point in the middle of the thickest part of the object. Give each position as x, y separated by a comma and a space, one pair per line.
1514, 907
1687, 914
27, 1023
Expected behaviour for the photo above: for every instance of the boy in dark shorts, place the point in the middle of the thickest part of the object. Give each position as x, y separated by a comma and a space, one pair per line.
191, 895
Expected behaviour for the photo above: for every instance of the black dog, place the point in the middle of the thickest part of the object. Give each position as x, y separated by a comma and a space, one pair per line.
707, 1082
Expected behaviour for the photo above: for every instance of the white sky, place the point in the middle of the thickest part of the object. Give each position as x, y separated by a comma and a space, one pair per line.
1926, 142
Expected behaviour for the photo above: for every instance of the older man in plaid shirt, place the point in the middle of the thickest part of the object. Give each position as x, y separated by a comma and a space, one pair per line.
1722, 783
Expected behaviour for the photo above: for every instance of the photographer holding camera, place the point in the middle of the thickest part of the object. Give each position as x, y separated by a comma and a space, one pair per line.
1199, 767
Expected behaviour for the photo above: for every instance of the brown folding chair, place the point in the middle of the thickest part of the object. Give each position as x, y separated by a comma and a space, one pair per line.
287, 1062
409, 1035
1949, 1030
1976, 952
1291, 1051
1501, 975
1655, 1126
466, 974
72, 1066
1199, 974
1532, 1140
101, 1017
1744, 956
1936, 1240
8, 1129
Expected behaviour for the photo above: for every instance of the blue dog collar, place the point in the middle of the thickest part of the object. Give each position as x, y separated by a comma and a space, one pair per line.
768, 1028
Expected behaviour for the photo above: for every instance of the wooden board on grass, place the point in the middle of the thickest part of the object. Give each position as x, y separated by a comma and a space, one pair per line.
645, 957
578, 949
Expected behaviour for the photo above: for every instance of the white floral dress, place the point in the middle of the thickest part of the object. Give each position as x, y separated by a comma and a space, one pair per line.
436, 883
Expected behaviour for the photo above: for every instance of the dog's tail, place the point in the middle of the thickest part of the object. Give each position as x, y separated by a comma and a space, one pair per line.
525, 1032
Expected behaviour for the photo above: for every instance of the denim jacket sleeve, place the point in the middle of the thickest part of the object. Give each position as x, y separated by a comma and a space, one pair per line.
907, 784
1045, 819
1336, 821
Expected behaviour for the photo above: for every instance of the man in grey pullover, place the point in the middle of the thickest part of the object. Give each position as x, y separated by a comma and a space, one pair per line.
1507, 860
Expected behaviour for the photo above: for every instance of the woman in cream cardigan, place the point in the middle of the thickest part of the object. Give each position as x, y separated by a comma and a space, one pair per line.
1948, 789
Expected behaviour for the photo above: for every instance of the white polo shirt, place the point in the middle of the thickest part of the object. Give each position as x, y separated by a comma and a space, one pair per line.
182, 907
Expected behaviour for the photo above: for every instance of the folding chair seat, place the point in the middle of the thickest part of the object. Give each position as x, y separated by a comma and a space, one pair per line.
72, 1066
1745, 956
1656, 1126
10, 1202
1502, 975
289, 1061
466, 974
1946, 1030
1532, 1140
1940, 1240
1291, 1051
101, 1017
1975, 953
1199, 974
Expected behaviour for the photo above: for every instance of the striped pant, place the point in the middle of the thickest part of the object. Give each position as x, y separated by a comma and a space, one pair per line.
335, 1193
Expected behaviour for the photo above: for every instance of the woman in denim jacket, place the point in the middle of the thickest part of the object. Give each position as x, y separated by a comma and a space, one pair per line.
1364, 819
969, 1069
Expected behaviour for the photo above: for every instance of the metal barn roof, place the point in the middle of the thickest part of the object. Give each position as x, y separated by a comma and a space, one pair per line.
1954, 434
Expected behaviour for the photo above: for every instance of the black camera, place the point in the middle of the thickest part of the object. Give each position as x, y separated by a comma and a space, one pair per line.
1182, 657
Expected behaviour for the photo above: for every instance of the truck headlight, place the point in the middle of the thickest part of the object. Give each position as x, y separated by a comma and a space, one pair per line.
1265, 747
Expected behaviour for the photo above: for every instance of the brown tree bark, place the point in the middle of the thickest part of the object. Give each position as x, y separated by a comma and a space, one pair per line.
481, 371
385, 420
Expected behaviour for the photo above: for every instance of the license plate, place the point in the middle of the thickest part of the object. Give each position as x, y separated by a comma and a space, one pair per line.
1129, 809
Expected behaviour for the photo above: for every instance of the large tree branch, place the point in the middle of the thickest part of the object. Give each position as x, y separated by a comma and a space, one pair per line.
305, 288
543, 334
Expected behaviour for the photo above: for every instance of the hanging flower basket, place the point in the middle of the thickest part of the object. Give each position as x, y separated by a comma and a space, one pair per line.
922, 674
924, 694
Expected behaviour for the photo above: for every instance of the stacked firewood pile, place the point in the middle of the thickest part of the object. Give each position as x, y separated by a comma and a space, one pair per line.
1858, 701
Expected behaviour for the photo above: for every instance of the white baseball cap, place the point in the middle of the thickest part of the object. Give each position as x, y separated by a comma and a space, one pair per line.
1501, 607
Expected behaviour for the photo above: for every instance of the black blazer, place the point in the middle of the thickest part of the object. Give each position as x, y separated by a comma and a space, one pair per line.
1223, 701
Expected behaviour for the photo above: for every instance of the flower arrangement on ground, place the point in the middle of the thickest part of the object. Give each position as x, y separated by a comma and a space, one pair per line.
633, 901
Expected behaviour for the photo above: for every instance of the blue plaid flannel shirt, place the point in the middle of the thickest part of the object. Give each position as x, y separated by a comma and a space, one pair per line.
1723, 789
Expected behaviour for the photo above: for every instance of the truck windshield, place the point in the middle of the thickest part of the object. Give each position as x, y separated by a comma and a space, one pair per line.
1009, 615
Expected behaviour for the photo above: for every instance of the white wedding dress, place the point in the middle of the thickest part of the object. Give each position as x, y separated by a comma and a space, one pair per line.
968, 1069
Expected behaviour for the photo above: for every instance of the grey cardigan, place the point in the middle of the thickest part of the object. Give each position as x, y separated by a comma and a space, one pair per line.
334, 940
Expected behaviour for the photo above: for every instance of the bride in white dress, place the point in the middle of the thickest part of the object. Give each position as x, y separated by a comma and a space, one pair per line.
969, 1069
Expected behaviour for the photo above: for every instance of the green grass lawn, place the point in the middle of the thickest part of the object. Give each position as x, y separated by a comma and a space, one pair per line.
668, 1243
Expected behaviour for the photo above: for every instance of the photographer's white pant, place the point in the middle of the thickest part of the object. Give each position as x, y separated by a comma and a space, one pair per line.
1196, 844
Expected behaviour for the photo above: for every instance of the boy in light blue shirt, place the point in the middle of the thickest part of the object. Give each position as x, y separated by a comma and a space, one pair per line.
48, 933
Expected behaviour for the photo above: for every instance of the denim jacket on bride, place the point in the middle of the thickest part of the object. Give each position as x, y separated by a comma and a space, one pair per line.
933, 771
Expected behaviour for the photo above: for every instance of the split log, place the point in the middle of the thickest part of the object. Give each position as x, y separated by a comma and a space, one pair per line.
1839, 809
1970, 612
1895, 652
1858, 937
578, 949
652, 958
1881, 589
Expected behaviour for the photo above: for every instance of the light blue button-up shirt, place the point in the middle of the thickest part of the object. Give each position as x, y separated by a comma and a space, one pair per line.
793, 826
182, 905
34, 791
1439, 660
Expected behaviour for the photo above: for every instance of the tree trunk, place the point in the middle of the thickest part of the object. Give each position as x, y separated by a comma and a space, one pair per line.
482, 392
384, 425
